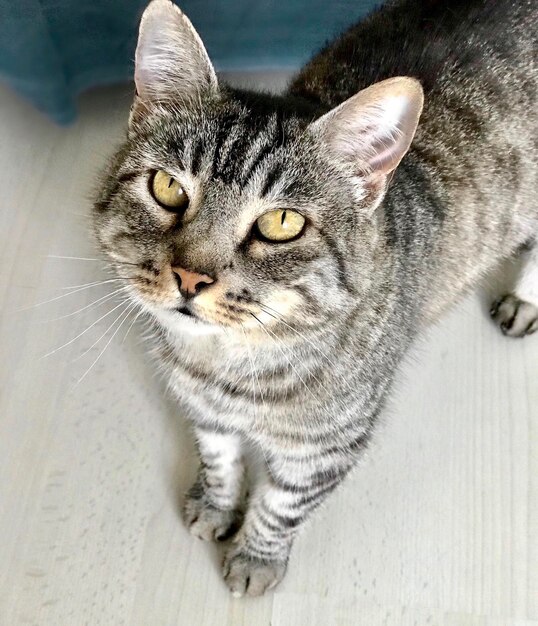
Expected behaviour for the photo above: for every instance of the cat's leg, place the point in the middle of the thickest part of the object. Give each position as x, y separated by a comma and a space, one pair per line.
212, 505
278, 509
517, 312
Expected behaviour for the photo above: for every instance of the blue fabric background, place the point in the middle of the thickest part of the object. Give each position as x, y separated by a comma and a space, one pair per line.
50, 50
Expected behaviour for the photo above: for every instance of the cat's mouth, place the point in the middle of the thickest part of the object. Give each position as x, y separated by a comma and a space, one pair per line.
183, 310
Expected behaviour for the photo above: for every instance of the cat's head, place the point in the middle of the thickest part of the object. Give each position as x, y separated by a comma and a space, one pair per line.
223, 210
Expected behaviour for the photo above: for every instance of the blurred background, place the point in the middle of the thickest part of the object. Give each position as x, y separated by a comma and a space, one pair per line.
52, 50
438, 526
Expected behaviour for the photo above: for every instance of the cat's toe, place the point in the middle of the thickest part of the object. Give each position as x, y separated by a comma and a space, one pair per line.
208, 522
246, 574
515, 317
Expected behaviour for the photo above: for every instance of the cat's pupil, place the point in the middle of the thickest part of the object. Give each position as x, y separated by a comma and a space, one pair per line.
171, 182
283, 218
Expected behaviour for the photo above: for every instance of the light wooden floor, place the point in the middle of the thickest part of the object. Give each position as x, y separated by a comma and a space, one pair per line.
439, 525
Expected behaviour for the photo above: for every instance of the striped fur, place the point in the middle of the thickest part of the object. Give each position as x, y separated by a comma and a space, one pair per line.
295, 345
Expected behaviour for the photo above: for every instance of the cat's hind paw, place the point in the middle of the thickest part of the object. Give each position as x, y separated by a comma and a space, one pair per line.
515, 317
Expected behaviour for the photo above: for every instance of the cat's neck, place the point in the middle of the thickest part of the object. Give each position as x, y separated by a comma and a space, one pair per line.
212, 347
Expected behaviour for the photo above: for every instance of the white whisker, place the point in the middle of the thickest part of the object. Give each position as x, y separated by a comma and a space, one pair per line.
285, 356
103, 350
84, 331
71, 258
254, 374
132, 324
63, 295
127, 306
94, 283
308, 341
102, 299
253, 369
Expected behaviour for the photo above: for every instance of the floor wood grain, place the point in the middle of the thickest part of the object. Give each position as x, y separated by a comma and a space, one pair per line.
438, 526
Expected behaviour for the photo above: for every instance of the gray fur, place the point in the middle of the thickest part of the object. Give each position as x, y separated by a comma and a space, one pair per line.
301, 340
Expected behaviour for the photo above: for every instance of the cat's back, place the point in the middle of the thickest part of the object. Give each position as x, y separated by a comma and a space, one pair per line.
432, 40
465, 194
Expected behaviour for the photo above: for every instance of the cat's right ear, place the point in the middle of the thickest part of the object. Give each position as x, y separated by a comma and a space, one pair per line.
171, 63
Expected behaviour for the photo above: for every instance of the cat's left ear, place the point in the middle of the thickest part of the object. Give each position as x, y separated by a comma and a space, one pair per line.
171, 63
373, 130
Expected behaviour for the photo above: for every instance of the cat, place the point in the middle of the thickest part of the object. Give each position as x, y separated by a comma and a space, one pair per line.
290, 248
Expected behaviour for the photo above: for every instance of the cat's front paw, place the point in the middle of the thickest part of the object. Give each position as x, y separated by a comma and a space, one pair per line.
208, 522
515, 317
247, 574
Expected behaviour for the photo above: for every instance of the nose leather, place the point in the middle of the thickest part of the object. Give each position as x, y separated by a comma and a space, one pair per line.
189, 282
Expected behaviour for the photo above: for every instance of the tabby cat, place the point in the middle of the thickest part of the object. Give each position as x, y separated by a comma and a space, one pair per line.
289, 249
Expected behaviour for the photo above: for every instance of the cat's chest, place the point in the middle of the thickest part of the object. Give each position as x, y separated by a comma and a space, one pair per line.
233, 384
210, 375
268, 395
201, 358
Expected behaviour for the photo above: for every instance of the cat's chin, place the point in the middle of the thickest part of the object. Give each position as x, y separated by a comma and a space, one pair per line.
184, 321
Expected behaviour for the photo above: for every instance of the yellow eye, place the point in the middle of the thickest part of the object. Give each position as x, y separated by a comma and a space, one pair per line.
168, 192
280, 225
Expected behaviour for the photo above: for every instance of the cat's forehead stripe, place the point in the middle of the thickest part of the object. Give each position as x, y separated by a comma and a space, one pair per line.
236, 152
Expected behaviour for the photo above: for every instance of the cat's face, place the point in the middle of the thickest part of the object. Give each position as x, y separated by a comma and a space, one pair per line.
244, 199
224, 212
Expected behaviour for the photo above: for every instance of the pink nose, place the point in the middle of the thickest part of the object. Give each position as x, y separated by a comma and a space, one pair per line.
190, 283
